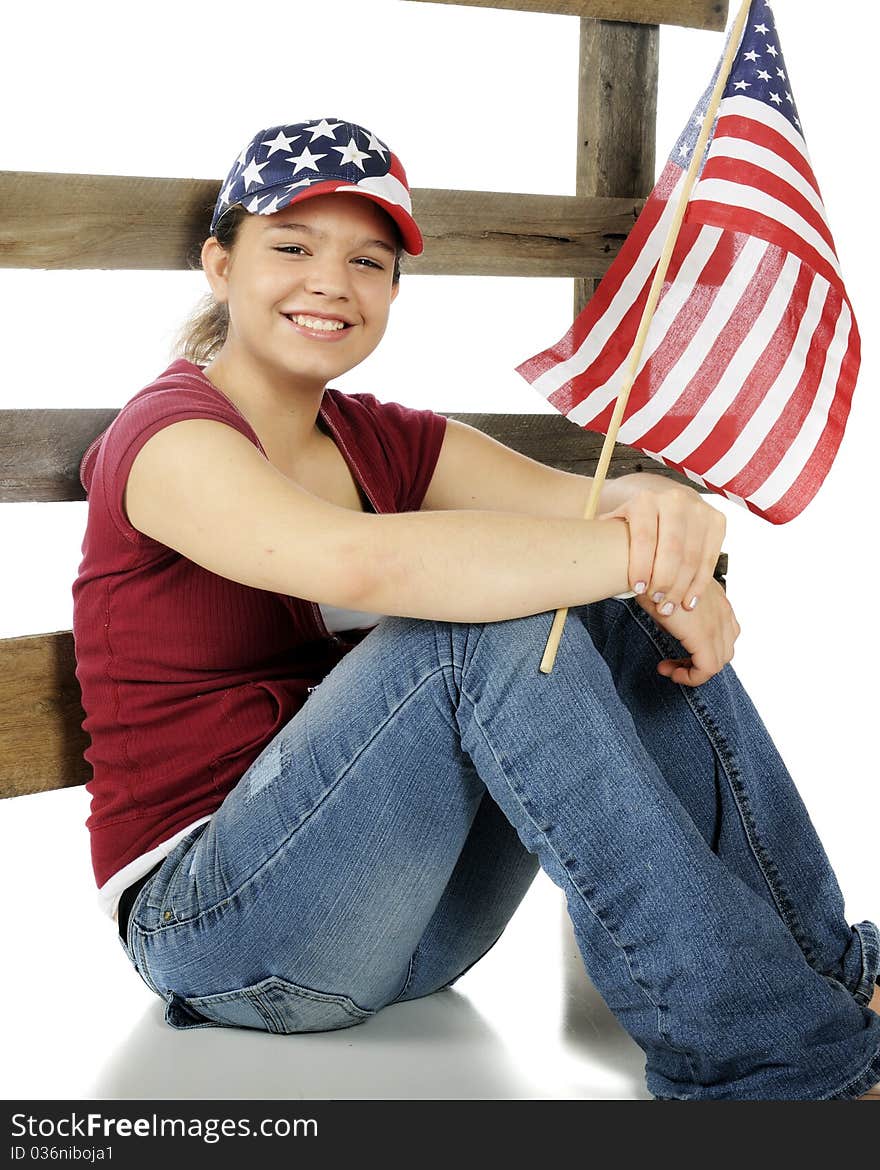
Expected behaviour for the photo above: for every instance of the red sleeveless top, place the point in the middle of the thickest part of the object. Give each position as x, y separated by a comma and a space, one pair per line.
186, 675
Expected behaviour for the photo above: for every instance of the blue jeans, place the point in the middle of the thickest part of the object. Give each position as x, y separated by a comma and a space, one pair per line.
380, 843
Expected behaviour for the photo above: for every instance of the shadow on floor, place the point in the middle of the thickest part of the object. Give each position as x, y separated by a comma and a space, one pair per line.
436, 1047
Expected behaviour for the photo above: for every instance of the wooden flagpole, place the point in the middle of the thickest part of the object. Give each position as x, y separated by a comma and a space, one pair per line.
555, 636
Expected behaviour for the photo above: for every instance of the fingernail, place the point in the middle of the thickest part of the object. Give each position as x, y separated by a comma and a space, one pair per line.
694, 601
667, 609
659, 596
640, 586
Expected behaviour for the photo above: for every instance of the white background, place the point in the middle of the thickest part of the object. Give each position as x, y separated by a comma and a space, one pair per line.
469, 99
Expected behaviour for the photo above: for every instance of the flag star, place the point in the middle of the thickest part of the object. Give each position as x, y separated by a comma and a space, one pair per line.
698, 120
763, 74
772, 50
351, 154
323, 129
271, 206
242, 158
774, 97
226, 192
301, 183
762, 29
743, 85
797, 122
780, 73
306, 159
683, 149
254, 204
280, 142
252, 173
750, 56
376, 145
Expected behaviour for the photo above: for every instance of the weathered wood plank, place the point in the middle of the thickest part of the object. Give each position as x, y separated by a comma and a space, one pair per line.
689, 13
41, 736
41, 450
117, 221
617, 116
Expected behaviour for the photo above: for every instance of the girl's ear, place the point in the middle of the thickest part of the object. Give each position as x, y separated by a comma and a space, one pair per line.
215, 261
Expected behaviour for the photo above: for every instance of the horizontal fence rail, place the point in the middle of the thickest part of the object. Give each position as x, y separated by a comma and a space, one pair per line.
690, 13
41, 736
134, 222
41, 450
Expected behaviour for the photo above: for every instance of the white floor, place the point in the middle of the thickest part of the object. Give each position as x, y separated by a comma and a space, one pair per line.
523, 1023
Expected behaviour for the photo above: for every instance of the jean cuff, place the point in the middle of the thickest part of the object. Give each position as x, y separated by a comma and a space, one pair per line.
869, 937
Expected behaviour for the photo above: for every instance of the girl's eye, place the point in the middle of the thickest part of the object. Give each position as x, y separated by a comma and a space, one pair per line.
289, 248
372, 263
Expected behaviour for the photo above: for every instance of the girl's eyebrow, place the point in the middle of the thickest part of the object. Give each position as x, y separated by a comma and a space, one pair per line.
304, 227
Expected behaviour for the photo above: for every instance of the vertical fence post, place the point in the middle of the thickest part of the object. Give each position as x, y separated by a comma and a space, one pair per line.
617, 115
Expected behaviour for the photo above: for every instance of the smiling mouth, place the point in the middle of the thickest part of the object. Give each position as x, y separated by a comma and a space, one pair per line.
317, 324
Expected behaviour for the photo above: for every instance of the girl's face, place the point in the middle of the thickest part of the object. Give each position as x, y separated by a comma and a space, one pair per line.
331, 257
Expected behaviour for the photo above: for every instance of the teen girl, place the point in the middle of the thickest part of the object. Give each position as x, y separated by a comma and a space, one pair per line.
326, 764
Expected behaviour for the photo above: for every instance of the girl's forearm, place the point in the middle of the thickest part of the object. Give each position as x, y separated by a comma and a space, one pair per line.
480, 566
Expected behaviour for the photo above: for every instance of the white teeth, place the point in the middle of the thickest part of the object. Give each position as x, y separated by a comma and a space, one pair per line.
318, 323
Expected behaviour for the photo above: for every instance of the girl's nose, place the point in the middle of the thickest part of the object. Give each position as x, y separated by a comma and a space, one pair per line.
328, 276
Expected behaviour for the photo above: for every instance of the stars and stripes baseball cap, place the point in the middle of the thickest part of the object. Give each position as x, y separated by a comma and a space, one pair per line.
286, 164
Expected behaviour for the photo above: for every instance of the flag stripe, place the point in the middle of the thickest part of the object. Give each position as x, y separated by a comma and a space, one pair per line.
772, 400
687, 429
778, 133
705, 327
684, 270
748, 199
762, 181
768, 160
811, 477
788, 425
815, 425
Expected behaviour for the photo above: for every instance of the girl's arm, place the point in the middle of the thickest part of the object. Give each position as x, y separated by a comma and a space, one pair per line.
202, 488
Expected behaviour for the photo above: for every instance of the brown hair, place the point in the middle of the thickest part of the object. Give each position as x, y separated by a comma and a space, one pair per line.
202, 335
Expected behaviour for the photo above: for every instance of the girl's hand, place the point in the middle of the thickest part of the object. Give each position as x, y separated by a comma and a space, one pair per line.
708, 634
674, 542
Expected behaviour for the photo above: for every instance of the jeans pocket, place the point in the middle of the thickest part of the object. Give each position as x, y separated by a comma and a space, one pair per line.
272, 1005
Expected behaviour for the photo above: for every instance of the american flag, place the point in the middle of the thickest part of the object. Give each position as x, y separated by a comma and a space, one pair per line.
750, 363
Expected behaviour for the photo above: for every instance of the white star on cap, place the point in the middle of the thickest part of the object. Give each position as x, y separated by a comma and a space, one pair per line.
301, 183
271, 206
306, 159
351, 154
226, 192
323, 129
252, 173
254, 204
375, 144
279, 142
242, 158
